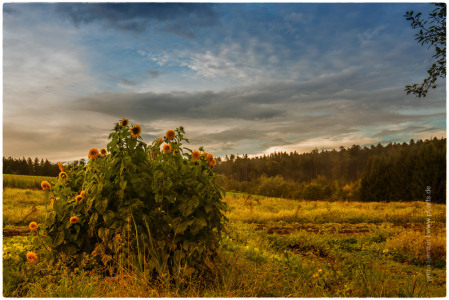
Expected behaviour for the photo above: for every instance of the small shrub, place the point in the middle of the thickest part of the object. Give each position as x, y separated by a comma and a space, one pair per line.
273, 187
411, 247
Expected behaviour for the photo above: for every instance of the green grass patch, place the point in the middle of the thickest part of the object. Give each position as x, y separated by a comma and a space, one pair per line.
24, 181
22, 206
272, 248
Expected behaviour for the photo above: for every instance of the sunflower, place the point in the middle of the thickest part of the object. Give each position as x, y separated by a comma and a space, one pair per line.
103, 152
93, 153
63, 175
135, 131
209, 157
166, 148
78, 198
124, 122
74, 220
196, 155
33, 226
32, 257
170, 134
45, 185
60, 167
94, 253
212, 163
159, 141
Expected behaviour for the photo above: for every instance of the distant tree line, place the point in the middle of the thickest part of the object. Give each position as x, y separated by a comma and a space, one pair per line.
395, 172
405, 173
23, 166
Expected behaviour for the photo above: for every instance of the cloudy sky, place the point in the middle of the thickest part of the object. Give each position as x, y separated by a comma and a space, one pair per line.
241, 78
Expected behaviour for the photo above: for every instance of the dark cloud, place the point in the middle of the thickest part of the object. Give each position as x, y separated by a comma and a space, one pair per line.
408, 129
324, 100
154, 73
205, 105
136, 17
281, 114
9, 8
123, 80
235, 134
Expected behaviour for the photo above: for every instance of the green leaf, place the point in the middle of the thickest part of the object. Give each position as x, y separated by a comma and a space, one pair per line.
199, 224
108, 217
103, 234
69, 249
207, 208
132, 143
93, 220
101, 205
189, 206
48, 241
58, 239
123, 184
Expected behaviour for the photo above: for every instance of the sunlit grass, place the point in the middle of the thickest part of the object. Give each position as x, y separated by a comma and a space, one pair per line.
24, 181
272, 248
258, 209
21, 206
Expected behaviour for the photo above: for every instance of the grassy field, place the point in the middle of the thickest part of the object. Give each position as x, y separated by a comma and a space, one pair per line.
24, 181
273, 248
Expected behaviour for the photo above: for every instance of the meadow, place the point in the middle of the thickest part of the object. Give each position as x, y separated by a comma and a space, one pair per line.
24, 181
272, 247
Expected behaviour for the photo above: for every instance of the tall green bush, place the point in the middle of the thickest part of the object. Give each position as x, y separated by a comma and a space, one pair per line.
160, 209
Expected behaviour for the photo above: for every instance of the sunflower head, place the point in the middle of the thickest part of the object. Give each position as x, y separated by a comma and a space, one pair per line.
196, 155
124, 122
170, 134
31, 257
74, 220
33, 226
63, 175
93, 153
60, 167
209, 157
94, 253
166, 148
212, 163
159, 141
45, 185
103, 152
78, 198
135, 131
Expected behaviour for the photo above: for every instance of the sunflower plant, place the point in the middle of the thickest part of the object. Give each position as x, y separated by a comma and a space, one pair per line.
155, 205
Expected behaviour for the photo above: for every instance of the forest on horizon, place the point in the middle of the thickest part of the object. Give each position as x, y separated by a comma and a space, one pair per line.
394, 172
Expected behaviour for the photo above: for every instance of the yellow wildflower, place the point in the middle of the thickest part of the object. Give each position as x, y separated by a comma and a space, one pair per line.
31, 257
33, 226
170, 134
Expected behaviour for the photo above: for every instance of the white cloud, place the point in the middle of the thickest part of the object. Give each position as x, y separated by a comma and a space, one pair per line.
44, 68
41, 66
